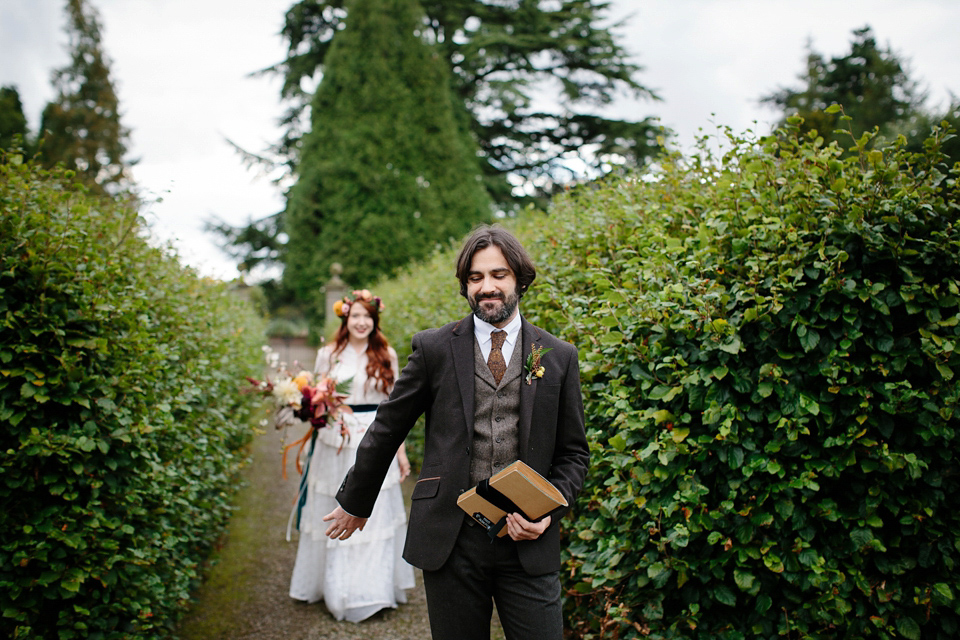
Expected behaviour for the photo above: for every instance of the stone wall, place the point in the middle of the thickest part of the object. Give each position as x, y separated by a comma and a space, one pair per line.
295, 350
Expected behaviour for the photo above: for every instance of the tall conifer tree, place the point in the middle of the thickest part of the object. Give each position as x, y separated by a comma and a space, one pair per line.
385, 174
81, 127
13, 124
529, 77
871, 82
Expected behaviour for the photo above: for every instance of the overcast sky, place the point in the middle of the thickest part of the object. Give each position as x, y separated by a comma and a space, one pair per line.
181, 68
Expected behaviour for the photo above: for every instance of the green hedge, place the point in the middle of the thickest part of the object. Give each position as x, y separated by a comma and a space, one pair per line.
121, 426
768, 343
767, 350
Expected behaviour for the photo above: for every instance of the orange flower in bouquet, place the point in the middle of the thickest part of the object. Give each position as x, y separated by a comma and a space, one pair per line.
299, 397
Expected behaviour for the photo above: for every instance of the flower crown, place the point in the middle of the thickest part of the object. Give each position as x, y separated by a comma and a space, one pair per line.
342, 307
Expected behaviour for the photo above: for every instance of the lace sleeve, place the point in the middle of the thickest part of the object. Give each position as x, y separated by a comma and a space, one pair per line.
322, 365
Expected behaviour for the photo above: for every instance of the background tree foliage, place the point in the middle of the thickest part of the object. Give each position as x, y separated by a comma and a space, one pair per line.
13, 123
872, 84
529, 79
505, 57
81, 127
948, 117
385, 173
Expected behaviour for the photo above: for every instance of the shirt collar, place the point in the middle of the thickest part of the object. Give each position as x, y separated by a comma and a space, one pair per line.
483, 329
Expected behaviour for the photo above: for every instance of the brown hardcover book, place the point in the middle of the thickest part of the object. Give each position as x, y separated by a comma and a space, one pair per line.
519, 484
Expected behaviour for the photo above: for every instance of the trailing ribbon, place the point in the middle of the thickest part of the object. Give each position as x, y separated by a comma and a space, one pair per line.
310, 436
304, 480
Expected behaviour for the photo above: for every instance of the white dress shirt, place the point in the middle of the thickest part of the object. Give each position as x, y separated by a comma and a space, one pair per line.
482, 331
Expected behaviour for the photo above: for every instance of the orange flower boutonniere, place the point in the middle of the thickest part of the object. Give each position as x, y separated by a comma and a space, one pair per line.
533, 367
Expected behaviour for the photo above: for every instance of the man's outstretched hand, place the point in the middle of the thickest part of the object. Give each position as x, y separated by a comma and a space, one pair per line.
342, 524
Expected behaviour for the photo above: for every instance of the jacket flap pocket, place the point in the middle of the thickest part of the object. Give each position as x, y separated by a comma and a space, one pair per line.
426, 488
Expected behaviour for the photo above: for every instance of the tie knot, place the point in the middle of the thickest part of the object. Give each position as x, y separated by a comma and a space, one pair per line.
497, 337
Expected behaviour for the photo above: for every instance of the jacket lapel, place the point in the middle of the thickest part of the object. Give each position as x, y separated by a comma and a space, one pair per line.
528, 392
462, 346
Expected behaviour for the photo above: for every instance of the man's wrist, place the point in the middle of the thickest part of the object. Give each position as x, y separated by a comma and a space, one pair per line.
346, 512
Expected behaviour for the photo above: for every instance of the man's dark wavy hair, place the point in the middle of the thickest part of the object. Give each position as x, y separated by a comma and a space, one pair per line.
494, 235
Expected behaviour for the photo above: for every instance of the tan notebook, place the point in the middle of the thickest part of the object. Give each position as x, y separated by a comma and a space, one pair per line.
517, 485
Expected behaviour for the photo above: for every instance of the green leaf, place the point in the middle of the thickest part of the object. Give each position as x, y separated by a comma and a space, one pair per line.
764, 602
773, 562
945, 371
809, 339
744, 579
618, 443
659, 392
908, 628
943, 590
731, 345
784, 508
662, 415
861, 538
611, 338
735, 456
724, 595
614, 297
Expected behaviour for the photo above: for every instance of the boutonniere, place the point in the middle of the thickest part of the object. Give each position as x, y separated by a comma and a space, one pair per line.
533, 367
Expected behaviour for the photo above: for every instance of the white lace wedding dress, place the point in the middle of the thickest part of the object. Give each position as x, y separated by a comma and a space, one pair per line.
365, 573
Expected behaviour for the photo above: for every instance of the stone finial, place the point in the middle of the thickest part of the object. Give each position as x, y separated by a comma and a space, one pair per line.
335, 270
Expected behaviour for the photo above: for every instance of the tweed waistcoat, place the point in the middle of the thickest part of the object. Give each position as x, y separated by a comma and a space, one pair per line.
496, 417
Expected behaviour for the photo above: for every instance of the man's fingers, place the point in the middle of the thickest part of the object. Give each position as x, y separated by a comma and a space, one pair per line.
519, 528
342, 524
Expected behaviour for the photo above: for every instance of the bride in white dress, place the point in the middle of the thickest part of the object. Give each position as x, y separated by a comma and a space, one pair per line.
365, 573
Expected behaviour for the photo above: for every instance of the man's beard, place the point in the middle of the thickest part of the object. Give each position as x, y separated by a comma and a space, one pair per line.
507, 307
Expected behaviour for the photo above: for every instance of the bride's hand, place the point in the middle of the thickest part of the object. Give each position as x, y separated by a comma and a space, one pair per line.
404, 464
403, 461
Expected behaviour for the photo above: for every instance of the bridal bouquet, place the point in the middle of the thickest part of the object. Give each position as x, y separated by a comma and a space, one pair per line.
301, 397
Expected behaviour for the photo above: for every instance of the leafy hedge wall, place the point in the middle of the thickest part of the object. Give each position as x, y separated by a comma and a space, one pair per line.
121, 426
767, 350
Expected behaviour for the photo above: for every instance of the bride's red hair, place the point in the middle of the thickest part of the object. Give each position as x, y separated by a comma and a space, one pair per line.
378, 349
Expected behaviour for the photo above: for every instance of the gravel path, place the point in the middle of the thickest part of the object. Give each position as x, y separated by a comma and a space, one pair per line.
245, 593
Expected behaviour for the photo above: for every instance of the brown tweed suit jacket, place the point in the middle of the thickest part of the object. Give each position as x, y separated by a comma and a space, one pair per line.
438, 382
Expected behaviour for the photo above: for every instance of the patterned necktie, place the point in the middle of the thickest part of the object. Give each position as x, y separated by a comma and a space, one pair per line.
497, 366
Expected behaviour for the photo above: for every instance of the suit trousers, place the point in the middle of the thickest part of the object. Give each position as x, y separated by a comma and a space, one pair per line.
460, 595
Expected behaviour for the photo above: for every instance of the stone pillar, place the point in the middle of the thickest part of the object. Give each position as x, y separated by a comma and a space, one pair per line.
335, 289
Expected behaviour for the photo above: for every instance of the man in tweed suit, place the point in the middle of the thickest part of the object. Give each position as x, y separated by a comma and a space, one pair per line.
483, 411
